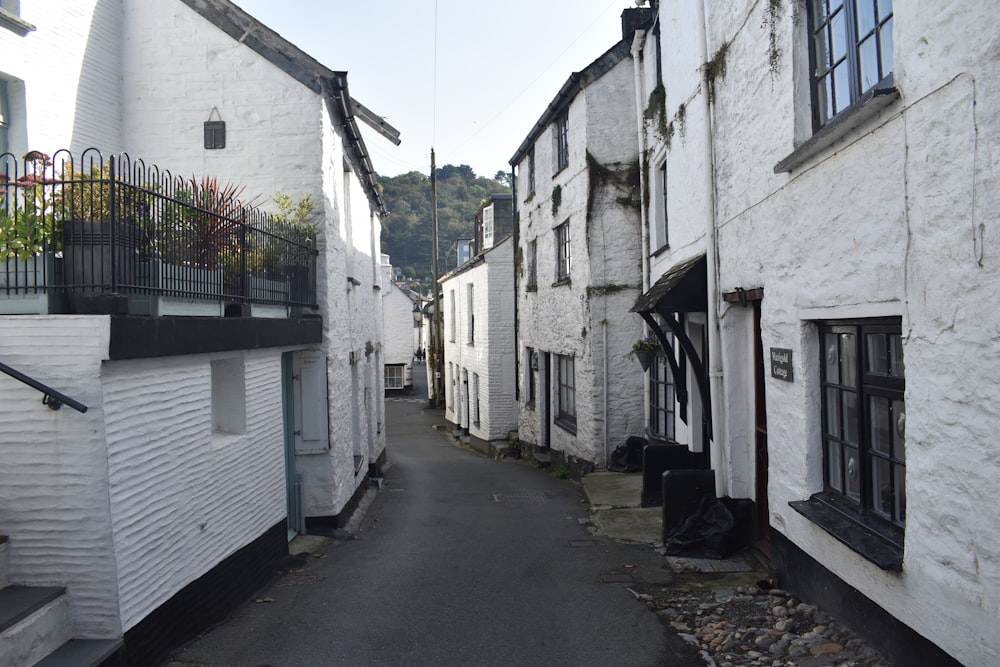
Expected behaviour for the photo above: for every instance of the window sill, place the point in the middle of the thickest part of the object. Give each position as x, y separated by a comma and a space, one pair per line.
659, 251
531, 287
564, 281
15, 23
872, 104
565, 424
859, 538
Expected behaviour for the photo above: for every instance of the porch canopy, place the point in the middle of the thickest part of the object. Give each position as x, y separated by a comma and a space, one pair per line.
682, 289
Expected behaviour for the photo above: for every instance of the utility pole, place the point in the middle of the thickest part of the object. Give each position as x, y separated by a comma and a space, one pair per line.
438, 353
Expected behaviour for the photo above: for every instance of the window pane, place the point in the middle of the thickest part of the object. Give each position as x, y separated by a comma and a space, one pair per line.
868, 63
896, 355
841, 87
838, 36
821, 41
884, 9
899, 474
833, 458
835, 5
865, 12
882, 496
899, 419
853, 476
824, 99
833, 412
850, 405
885, 37
848, 360
832, 354
878, 354
879, 417
819, 13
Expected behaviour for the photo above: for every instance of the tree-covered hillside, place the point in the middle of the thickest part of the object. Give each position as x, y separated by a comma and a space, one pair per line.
407, 231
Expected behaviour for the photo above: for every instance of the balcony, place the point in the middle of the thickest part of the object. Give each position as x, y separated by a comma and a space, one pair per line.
96, 236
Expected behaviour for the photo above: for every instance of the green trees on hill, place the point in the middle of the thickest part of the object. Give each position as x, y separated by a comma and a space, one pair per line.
407, 232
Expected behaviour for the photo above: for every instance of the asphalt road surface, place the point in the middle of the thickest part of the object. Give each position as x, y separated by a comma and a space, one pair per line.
460, 560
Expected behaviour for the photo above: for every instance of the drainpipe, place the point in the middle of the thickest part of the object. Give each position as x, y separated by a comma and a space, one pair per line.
715, 373
638, 43
604, 328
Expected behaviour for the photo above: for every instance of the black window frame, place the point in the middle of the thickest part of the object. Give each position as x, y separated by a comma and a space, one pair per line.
865, 385
560, 129
531, 172
661, 377
530, 366
566, 391
564, 253
838, 22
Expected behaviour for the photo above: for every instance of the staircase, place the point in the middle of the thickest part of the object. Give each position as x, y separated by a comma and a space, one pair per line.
35, 628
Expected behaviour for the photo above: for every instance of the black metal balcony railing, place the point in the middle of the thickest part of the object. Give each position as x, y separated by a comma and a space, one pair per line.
92, 231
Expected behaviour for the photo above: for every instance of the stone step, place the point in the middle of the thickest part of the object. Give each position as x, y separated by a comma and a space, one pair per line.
34, 621
84, 653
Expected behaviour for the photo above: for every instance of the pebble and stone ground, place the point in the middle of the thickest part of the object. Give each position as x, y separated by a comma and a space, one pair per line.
754, 625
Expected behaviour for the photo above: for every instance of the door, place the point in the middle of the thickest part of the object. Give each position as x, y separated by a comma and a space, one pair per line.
306, 424
762, 531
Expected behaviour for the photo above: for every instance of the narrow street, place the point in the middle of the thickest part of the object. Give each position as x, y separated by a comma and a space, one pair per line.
459, 560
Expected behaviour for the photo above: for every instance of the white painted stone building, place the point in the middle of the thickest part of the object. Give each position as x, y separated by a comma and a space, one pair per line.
578, 266
478, 323
843, 223
201, 454
399, 328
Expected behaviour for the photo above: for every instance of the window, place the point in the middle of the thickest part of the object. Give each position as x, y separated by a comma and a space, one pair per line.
451, 321
488, 227
851, 51
531, 172
394, 376
471, 315
530, 366
662, 401
566, 377
864, 422
659, 236
4, 117
563, 256
532, 283
475, 400
561, 140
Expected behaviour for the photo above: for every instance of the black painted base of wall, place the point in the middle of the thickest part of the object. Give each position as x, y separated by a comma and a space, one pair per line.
207, 600
803, 576
323, 525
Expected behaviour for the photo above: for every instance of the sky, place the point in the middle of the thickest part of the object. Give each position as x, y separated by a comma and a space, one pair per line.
467, 77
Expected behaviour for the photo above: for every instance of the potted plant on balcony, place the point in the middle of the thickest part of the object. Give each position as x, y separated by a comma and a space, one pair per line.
29, 239
645, 350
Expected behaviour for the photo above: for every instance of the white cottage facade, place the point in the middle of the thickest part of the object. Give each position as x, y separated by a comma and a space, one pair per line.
837, 197
208, 441
400, 330
479, 347
578, 266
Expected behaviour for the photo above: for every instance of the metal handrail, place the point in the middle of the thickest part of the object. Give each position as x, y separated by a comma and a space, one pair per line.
52, 398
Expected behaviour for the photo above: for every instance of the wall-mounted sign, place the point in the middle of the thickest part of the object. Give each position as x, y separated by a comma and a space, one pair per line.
781, 364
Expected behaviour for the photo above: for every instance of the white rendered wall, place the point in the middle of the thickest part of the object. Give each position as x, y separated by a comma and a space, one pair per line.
884, 223
397, 315
54, 467
67, 77
183, 497
491, 357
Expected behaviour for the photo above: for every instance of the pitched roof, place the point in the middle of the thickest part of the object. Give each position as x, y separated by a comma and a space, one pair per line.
302, 67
